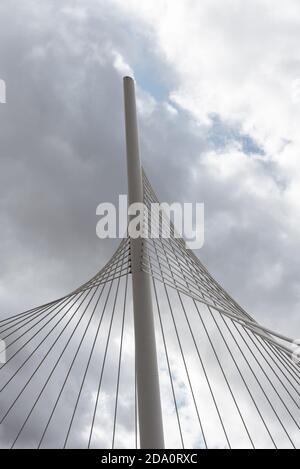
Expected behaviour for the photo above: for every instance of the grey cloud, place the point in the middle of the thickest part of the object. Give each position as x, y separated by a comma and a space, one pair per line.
62, 153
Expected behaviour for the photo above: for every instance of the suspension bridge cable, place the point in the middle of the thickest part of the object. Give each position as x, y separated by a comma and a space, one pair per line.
119, 364
103, 364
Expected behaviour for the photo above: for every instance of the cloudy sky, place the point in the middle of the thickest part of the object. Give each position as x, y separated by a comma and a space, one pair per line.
218, 90
218, 87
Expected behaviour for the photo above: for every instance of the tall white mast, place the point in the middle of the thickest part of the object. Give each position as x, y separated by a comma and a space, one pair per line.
149, 404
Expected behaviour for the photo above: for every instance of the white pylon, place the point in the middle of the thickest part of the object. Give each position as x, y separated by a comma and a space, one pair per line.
149, 403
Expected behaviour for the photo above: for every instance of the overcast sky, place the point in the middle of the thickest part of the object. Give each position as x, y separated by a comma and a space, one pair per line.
218, 91
218, 87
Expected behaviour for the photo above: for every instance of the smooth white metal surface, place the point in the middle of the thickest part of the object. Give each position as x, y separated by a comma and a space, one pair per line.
149, 403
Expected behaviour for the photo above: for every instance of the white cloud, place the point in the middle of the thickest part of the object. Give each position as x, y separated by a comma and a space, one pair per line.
239, 60
236, 60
